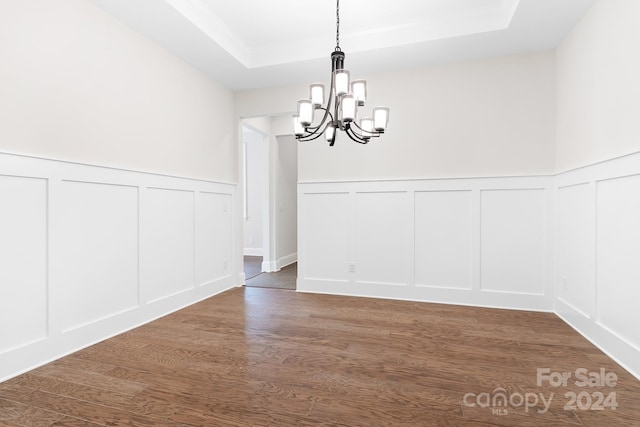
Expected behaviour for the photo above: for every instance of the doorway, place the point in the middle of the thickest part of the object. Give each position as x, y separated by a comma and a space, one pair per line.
270, 178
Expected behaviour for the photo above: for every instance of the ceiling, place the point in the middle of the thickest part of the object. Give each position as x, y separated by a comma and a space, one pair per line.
247, 44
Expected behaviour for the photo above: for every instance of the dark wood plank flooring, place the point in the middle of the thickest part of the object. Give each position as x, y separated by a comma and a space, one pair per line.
258, 357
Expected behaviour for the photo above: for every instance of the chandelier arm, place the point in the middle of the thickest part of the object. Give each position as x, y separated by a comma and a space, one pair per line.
324, 118
312, 136
321, 127
354, 136
336, 109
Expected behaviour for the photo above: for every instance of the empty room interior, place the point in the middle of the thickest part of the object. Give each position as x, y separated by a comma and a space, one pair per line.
344, 212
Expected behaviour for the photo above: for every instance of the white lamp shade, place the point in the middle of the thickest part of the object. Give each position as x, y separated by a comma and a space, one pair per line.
298, 129
367, 127
380, 118
348, 108
359, 90
341, 82
330, 133
317, 94
305, 111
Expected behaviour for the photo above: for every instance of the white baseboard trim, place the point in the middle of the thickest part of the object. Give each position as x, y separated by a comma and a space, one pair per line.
622, 352
253, 251
39, 353
509, 301
269, 266
287, 260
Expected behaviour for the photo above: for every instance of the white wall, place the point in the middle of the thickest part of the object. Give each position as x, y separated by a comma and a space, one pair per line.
88, 251
256, 150
286, 200
598, 88
598, 244
78, 85
475, 241
491, 117
599, 203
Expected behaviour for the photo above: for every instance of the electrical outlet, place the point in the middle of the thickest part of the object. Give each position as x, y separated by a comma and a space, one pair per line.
352, 267
226, 264
564, 283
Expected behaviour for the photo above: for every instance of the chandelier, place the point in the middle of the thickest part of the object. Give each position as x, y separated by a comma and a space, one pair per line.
341, 109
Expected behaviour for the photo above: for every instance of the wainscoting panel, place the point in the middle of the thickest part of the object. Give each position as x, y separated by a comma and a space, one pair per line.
513, 236
618, 268
324, 220
96, 229
381, 238
88, 252
576, 248
443, 239
23, 261
167, 243
421, 240
213, 227
598, 273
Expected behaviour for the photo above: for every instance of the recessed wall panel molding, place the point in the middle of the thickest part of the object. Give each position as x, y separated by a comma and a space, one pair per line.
576, 247
324, 223
94, 263
421, 240
443, 239
213, 237
167, 242
87, 252
513, 241
23, 261
618, 266
382, 240
598, 248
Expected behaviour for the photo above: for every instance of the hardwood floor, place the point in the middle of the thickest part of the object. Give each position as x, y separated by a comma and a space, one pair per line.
254, 356
285, 278
252, 266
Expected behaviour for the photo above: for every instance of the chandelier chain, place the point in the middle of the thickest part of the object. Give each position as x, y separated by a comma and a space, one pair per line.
338, 25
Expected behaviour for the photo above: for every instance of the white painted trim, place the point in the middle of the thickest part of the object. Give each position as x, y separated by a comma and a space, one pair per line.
269, 266
287, 260
587, 323
404, 285
65, 334
253, 251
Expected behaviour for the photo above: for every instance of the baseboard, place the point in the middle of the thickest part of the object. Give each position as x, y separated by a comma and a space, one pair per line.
287, 260
253, 251
39, 353
269, 266
471, 298
618, 349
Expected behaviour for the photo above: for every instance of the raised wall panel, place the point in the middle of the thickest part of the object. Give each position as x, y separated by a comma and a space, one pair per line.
325, 226
23, 261
618, 256
213, 237
95, 252
576, 247
167, 243
513, 250
443, 240
382, 238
